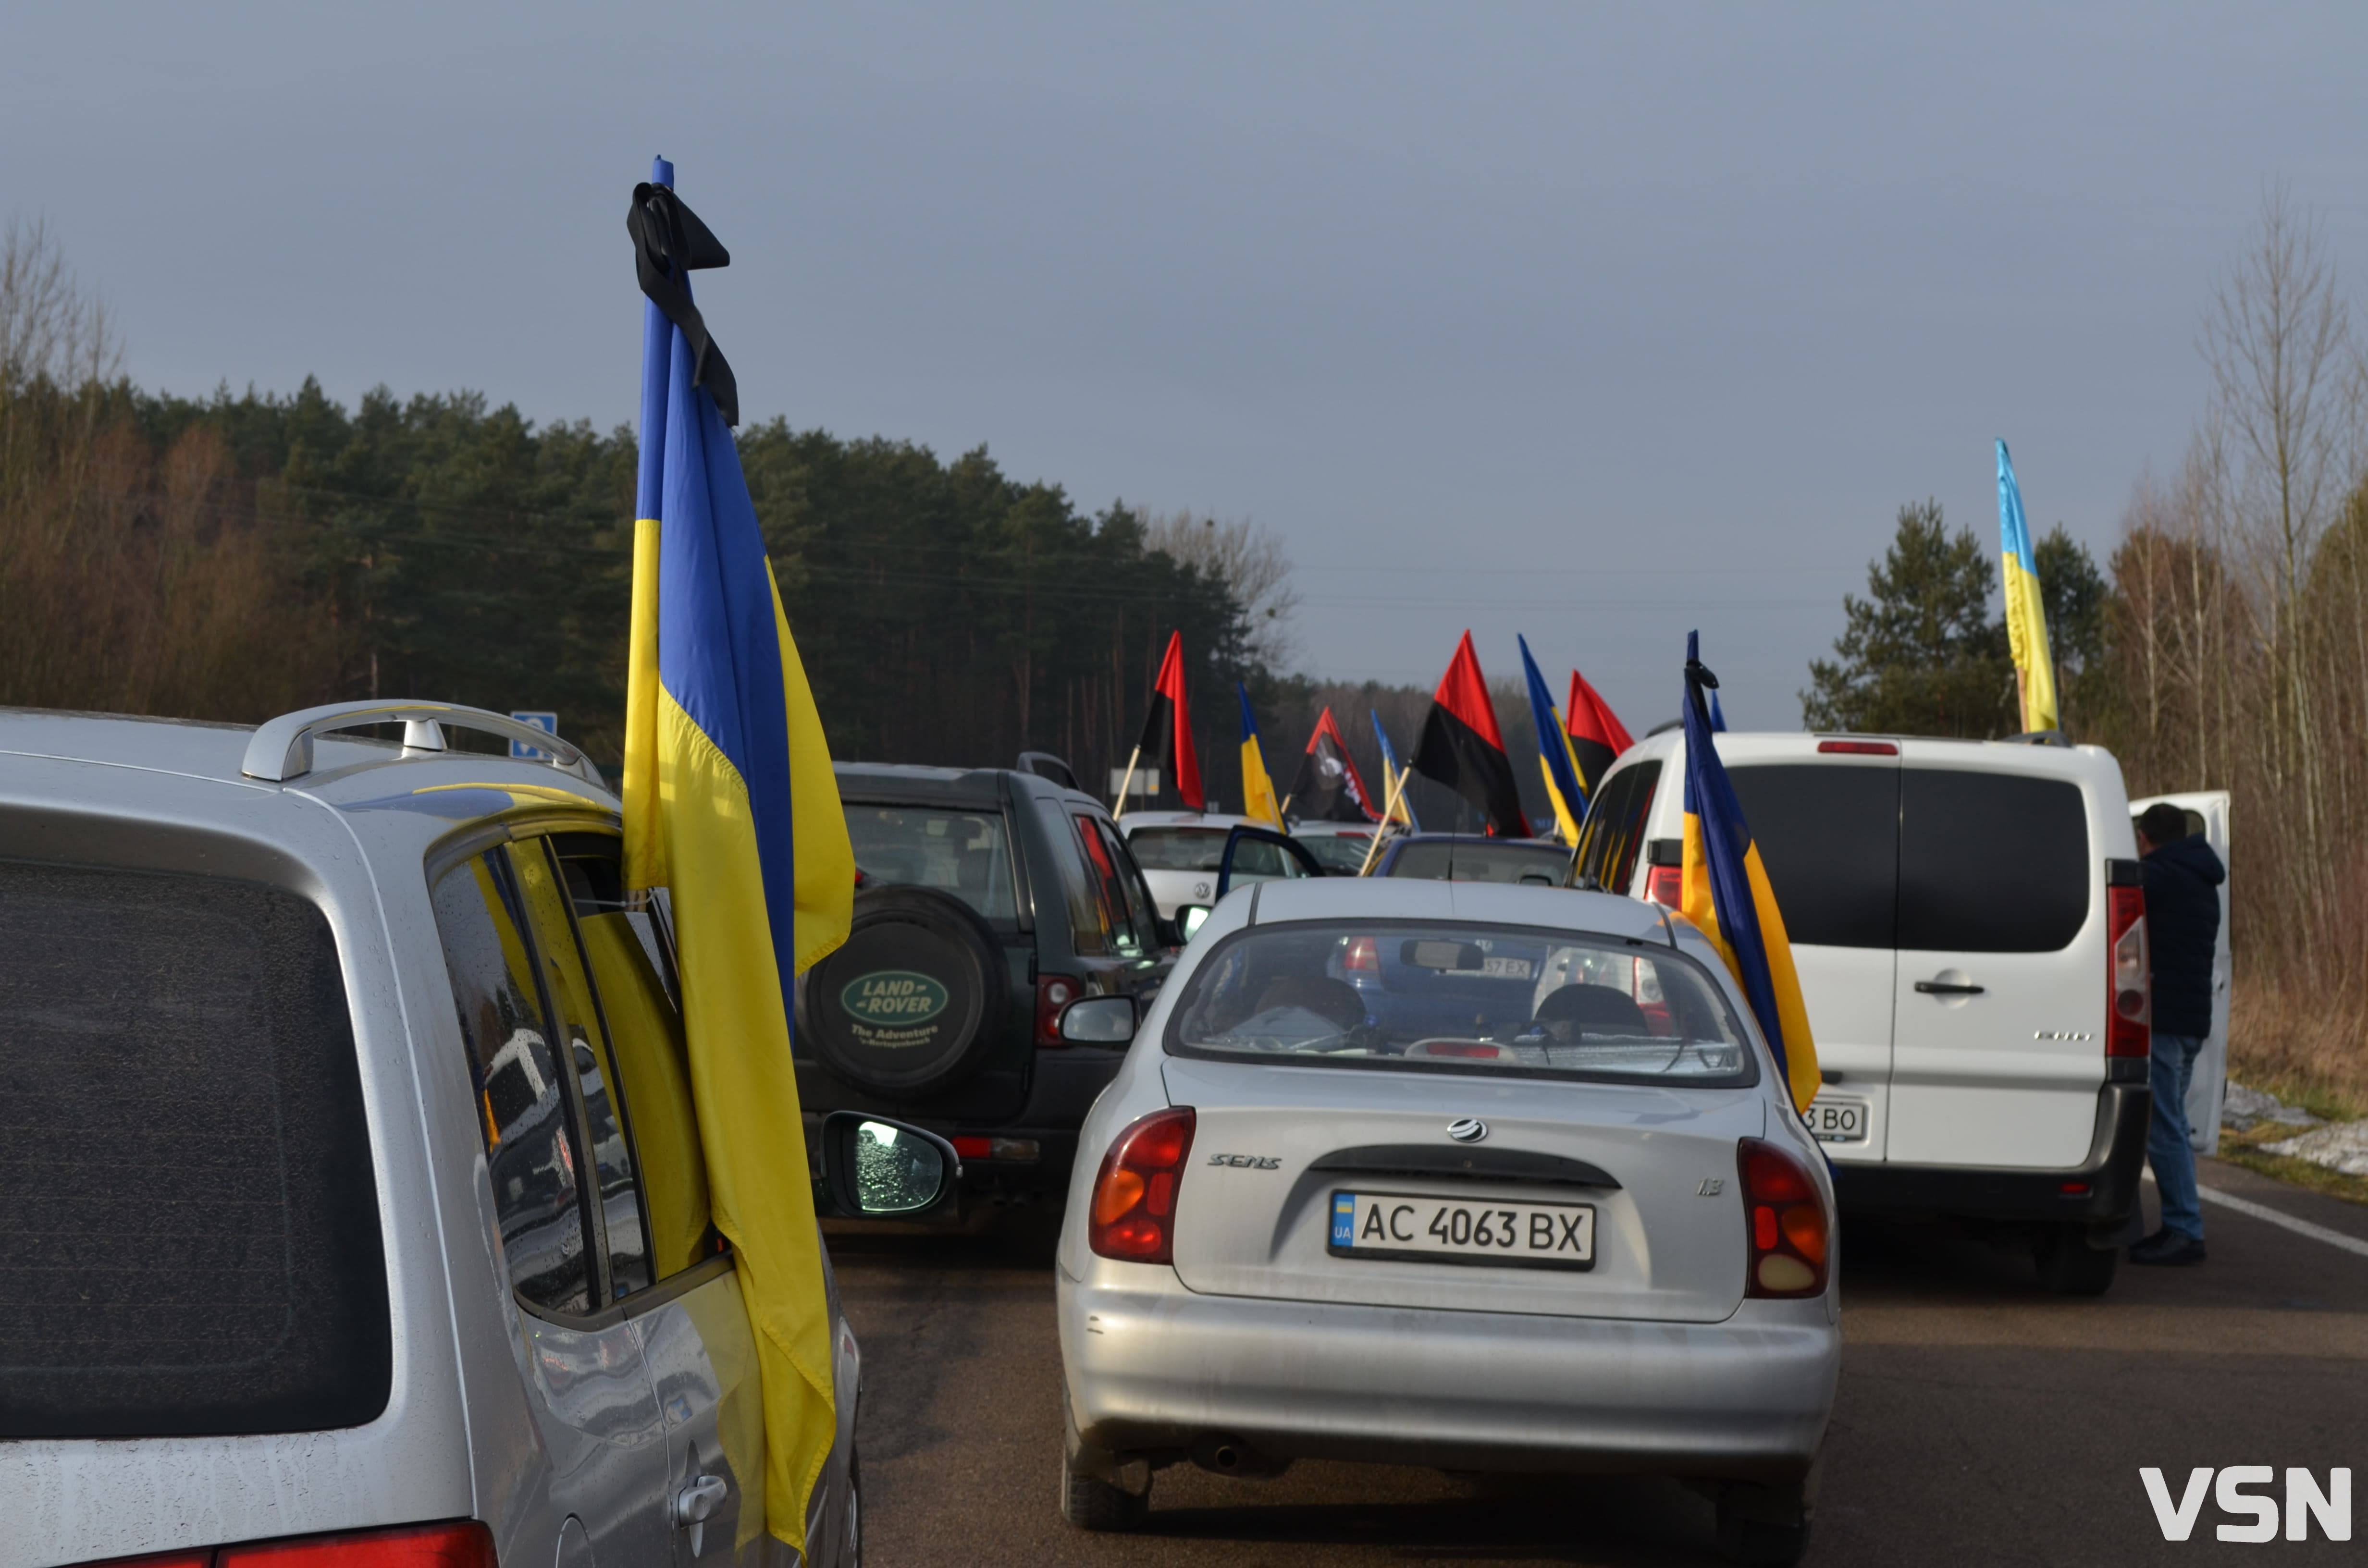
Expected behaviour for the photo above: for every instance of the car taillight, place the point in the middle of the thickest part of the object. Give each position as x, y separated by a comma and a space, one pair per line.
1135, 1197
1364, 953
2130, 1030
464, 1545
1787, 1221
1666, 885
1054, 992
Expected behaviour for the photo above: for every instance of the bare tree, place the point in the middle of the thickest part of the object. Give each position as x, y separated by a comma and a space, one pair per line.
1249, 559
51, 328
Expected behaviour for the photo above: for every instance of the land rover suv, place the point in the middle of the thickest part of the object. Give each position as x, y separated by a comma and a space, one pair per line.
1970, 932
986, 900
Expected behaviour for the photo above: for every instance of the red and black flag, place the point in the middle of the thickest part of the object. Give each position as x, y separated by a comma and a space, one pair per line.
1462, 747
1327, 788
1597, 735
1166, 732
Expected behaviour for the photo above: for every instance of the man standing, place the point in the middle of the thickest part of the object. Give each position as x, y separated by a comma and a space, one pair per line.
2182, 907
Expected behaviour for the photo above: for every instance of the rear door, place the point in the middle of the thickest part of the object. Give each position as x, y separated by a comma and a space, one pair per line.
2207, 813
1999, 1044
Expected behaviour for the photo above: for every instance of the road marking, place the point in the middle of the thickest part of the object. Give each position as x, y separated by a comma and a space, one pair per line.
2299, 1227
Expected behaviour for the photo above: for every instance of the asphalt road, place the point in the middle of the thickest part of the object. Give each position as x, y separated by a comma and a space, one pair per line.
1980, 1421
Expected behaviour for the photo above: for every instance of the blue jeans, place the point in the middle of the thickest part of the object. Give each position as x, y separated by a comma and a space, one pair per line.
2168, 1150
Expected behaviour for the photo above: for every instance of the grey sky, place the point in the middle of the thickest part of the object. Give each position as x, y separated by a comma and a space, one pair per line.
1595, 323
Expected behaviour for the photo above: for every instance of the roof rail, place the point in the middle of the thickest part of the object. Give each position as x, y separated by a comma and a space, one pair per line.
282, 749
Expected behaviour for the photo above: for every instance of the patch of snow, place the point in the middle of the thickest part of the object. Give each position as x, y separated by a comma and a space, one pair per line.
2340, 1146
2243, 1106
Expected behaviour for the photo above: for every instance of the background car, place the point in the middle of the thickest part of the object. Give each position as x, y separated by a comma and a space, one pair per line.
1967, 923
1180, 852
990, 898
1475, 858
1555, 1232
1341, 845
358, 1086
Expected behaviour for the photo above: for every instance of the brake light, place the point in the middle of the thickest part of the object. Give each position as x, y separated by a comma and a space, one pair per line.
463, 1545
1857, 748
1790, 1230
1053, 993
1666, 885
2129, 1030
1362, 953
1135, 1197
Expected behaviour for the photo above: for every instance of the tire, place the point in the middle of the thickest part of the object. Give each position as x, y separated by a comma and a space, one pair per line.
912, 1002
850, 1553
1758, 1540
2070, 1267
1091, 1504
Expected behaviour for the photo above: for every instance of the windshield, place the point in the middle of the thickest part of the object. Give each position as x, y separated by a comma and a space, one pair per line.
1460, 997
1337, 852
1456, 860
964, 852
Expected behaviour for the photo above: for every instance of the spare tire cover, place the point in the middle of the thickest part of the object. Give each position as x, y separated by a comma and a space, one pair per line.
912, 1000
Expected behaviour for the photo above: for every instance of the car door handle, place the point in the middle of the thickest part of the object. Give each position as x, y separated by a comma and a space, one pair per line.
697, 1503
1948, 988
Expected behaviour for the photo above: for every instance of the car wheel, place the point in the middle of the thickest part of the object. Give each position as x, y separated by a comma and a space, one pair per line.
1092, 1505
1744, 1539
912, 1001
2069, 1266
850, 1551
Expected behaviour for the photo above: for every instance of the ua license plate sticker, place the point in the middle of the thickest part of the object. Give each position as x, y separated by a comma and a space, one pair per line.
1838, 1120
1505, 969
1448, 1229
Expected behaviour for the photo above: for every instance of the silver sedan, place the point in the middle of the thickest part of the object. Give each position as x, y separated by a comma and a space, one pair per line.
1484, 1179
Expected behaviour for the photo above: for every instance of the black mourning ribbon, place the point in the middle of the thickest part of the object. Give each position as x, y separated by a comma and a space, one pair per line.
1698, 677
668, 240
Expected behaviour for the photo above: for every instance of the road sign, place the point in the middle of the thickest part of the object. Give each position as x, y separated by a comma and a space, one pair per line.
547, 723
1144, 783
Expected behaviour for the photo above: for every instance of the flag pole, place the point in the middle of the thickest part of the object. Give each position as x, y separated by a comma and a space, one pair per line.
1389, 815
1119, 809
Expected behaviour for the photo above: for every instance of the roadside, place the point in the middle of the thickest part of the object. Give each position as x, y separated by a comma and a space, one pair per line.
2312, 1141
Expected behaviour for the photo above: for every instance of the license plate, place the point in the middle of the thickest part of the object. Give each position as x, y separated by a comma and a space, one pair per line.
1838, 1120
1506, 968
1446, 1230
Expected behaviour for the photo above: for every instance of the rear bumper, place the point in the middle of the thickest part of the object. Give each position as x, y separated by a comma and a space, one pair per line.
1153, 1369
2102, 1191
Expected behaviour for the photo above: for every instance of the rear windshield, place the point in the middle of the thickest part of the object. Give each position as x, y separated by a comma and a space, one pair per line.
1203, 849
1454, 997
188, 1223
1338, 852
1829, 837
963, 851
1991, 862
1448, 861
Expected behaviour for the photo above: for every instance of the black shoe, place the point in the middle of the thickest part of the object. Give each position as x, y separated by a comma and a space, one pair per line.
2168, 1248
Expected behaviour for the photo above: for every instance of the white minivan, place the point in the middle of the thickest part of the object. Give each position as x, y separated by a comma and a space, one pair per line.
1969, 927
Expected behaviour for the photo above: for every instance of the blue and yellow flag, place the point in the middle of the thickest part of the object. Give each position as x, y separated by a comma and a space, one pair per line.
1258, 790
1393, 775
730, 805
1554, 757
1727, 894
2026, 608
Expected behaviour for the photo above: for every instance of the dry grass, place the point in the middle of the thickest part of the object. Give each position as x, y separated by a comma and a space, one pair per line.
2244, 1149
2307, 1045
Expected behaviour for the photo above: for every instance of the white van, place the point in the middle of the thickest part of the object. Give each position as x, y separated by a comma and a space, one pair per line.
1969, 928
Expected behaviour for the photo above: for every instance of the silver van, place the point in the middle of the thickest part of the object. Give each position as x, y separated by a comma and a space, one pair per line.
325, 1229
1969, 928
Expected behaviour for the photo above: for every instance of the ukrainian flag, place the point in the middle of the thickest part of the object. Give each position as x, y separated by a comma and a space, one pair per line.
1727, 894
1258, 790
730, 803
1392, 772
1555, 755
2026, 609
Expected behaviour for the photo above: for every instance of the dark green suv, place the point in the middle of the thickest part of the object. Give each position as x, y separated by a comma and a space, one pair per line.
987, 901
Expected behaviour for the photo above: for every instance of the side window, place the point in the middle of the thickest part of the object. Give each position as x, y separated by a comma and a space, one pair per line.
1141, 912
1829, 837
1613, 834
1089, 924
1254, 860
569, 989
532, 1149
627, 967
1991, 862
1109, 887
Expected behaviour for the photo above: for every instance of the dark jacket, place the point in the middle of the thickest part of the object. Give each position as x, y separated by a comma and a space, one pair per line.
2182, 914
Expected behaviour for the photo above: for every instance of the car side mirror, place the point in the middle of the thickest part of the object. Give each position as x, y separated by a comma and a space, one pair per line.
1188, 918
877, 1168
1099, 1020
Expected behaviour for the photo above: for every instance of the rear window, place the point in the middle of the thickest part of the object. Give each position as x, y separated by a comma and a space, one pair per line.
1829, 837
1991, 862
1442, 861
1340, 853
191, 1243
965, 852
1613, 834
1455, 997
1179, 848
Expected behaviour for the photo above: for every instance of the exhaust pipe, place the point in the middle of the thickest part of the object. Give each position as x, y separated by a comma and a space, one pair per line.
1222, 1453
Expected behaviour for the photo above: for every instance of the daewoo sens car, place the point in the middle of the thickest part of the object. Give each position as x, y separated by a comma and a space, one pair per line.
1483, 1177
